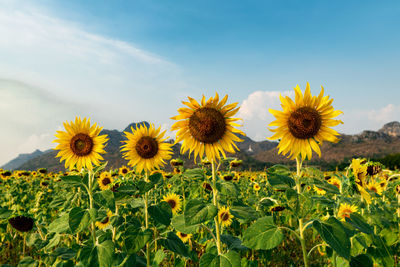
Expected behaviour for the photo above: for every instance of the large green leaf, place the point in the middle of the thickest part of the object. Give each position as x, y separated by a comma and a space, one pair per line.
326, 186
263, 234
196, 212
105, 199
230, 259
358, 222
60, 225
194, 173
78, 220
280, 181
362, 260
178, 222
245, 213
227, 188
28, 262
72, 180
333, 233
137, 239
175, 244
5, 213
381, 252
161, 213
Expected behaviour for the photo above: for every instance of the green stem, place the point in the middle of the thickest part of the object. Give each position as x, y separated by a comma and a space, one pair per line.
334, 259
90, 189
215, 202
301, 227
146, 218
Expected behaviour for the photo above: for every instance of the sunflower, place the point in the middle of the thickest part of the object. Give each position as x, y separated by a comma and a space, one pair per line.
235, 163
224, 216
145, 148
80, 145
345, 210
383, 184
375, 187
319, 191
207, 186
256, 187
207, 128
174, 202
21, 223
105, 180
184, 237
304, 124
105, 222
227, 177
123, 170
169, 186
176, 162
168, 175
336, 182
277, 208
359, 171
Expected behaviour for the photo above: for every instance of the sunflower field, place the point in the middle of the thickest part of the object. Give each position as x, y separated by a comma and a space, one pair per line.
215, 214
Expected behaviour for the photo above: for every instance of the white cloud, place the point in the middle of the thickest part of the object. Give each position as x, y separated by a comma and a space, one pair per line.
52, 70
255, 114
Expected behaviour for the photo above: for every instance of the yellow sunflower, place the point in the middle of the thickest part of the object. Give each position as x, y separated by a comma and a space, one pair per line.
319, 191
174, 202
105, 180
105, 222
184, 237
304, 124
256, 187
336, 182
225, 216
207, 128
145, 148
123, 170
80, 145
360, 173
345, 210
375, 187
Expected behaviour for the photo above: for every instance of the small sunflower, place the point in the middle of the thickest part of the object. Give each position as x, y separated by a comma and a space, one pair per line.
123, 170
177, 170
169, 186
359, 171
304, 124
105, 222
207, 186
205, 162
227, 177
168, 175
176, 162
383, 184
256, 187
184, 237
105, 180
397, 189
375, 187
319, 191
345, 210
80, 145
277, 208
145, 148
336, 182
225, 216
235, 163
174, 202
207, 128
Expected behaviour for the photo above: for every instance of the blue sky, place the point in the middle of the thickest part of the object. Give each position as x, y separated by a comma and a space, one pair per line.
110, 59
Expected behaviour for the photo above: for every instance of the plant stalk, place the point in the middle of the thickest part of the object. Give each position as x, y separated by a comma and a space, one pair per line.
146, 218
215, 202
301, 227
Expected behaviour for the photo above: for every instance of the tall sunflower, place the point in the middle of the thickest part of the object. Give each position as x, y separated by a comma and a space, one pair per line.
105, 180
207, 127
304, 124
80, 145
105, 222
145, 148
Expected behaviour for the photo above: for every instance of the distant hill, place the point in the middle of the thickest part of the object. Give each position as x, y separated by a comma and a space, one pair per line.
21, 159
256, 155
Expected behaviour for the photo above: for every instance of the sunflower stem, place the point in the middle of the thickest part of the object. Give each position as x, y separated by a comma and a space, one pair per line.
215, 202
301, 227
24, 246
146, 218
90, 189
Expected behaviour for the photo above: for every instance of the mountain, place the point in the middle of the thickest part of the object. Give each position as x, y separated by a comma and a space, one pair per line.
255, 155
21, 159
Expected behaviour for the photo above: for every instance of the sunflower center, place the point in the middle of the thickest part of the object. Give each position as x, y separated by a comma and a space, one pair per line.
81, 144
105, 220
172, 203
106, 181
304, 123
346, 213
373, 188
207, 125
224, 216
147, 147
124, 171
183, 235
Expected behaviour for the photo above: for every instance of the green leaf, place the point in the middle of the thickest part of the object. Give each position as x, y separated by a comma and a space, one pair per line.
280, 181
227, 188
155, 178
175, 244
178, 222
60, 225
246, 213
161, 213
64, 253
381, 252
72, 180
105, 252
105, 199
263, 234
159, 257
230, 259
359, 223
362, 260
232, 242
279, 169
78, 220
333, 233
5, 213
196, 212
326, 186
100, 167
53, 242
194, 173
137, 239
28, 262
